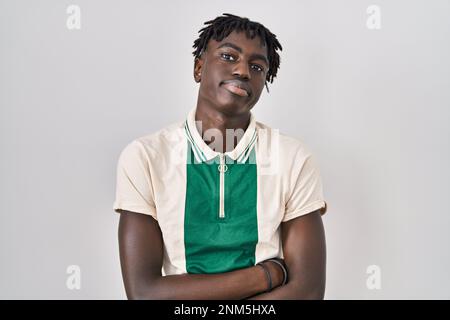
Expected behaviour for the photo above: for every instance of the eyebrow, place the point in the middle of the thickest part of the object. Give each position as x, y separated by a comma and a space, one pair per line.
235, 47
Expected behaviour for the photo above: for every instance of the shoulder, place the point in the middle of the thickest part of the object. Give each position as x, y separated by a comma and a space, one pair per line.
156, 143
288, 147
163, 138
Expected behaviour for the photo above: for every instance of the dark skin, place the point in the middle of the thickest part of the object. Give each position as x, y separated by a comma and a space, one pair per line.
217, 107
303, 238
141, 256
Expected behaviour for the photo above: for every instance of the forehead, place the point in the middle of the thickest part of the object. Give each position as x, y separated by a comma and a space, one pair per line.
239, 38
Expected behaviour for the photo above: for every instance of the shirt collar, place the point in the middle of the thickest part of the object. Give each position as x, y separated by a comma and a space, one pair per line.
203, 152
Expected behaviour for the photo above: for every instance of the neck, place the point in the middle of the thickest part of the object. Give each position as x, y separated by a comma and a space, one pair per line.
214, 121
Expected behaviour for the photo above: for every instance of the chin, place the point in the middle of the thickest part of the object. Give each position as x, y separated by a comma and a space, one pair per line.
232, 107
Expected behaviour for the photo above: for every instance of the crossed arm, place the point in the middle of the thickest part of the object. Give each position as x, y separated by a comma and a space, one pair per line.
141, 257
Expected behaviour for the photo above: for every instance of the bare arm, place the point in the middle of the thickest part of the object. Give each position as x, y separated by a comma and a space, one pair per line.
141, 257
304, 248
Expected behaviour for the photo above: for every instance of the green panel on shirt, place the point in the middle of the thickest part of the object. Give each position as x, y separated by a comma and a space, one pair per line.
214, 244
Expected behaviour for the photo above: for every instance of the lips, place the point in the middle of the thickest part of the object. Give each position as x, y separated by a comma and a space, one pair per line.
238, 87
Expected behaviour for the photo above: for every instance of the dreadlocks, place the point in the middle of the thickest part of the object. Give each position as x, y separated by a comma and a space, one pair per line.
222, 26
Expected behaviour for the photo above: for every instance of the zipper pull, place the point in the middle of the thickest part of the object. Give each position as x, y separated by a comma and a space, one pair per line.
222, 166
222, 169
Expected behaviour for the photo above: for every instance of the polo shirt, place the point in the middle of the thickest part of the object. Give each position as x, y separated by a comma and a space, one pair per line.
218, 212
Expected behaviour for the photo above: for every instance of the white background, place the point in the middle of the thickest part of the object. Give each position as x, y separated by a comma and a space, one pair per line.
373, 105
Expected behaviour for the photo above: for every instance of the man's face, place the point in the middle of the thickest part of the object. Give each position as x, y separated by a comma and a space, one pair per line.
232, 72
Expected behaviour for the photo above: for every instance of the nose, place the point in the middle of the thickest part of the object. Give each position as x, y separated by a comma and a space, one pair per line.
242, 70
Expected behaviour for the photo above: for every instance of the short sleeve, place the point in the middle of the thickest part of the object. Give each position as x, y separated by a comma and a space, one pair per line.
307, 193
134, 191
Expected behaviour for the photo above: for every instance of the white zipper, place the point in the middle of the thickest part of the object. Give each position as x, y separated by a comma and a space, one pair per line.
222, 169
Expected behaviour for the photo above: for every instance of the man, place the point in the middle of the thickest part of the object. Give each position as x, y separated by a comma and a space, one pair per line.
203, 221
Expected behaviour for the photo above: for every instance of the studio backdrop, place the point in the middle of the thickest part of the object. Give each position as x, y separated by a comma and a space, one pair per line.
365, 84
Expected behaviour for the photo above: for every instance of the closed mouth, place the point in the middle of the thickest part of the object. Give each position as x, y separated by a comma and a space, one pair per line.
237, 87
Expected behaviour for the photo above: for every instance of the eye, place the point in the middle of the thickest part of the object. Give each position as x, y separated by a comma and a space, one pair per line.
258, 68
226, 56
229, 57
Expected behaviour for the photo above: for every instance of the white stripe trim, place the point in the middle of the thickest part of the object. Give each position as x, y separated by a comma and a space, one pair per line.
197, 152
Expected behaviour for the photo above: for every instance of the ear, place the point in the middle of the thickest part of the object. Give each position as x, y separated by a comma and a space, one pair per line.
198, 63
